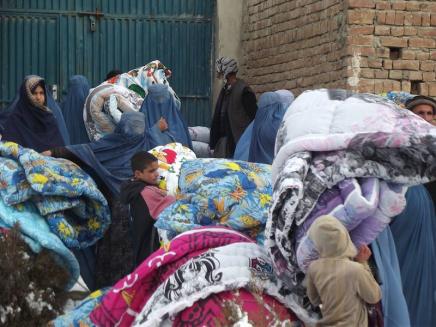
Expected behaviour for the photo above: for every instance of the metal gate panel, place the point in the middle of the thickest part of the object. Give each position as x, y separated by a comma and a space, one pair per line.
91, 37
29, 46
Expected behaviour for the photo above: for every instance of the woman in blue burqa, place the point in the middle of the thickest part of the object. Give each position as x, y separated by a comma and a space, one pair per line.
34, 120
258, 140
72, 109
161, 106
414, 232
107, 161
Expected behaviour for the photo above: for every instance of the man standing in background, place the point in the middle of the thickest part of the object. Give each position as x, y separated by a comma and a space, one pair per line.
235, 109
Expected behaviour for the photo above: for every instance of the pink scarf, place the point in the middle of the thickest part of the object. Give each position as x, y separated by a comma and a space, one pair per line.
156, 200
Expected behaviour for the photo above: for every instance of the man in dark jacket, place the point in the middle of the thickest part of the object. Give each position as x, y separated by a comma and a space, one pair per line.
235, 109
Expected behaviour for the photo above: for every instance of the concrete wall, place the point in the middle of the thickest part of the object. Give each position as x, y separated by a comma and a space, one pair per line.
227, 34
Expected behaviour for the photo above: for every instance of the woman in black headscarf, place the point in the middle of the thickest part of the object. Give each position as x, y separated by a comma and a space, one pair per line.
34, 122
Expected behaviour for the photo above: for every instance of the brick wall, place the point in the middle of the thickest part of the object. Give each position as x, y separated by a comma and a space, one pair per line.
365, 45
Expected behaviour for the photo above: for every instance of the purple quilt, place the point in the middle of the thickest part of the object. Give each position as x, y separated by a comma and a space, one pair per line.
344, 154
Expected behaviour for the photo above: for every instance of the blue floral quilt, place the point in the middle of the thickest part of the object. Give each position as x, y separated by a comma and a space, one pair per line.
62, 193
236, 194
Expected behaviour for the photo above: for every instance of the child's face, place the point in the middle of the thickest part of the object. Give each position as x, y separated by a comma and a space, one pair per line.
149, 175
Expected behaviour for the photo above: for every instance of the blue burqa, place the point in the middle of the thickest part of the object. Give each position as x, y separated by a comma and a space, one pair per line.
286, 98
414, 232
242, 150
161, 103
110, 156
31, 125
266, 124
72, 109
394, 305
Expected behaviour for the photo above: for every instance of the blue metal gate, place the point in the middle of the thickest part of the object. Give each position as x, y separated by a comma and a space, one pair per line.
60, 38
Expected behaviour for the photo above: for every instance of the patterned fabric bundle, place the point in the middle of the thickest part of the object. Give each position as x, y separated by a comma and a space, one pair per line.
122, 93
62, 193
200, 137
400, 98
236, 194
353, 161
171, 157
79, 317
194, 266
104, 107
36, 233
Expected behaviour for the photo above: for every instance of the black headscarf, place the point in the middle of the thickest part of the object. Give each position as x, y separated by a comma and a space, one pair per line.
30, 124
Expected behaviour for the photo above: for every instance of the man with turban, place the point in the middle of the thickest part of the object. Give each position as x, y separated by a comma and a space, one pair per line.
235, 109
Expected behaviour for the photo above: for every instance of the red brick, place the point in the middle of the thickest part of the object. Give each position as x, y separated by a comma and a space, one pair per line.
432, 89
361, 30
360, 40
382, 30
399, 5
405, 86
421, 43
366, 85
383, 5
382, 52
387, 64
430, 31
410, 31
412, 6
361, 17
375, 63
381, 17
399, 18
428, 6
427, 66
367, 73
408, 19
433, 20
433, 55
390, 17
396, 86
381, 74
378, 87
387, 85
426, 20
422, 55
388, 41
423, 89
395, 74
397, 31
406, 64
361, 3
416, 19
428, 76
412, 75
408, 54
367, 51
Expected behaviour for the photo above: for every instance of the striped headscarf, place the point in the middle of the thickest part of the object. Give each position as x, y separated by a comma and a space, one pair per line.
225, 66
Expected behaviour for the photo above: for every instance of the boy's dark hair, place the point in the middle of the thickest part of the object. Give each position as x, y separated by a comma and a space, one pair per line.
141, 160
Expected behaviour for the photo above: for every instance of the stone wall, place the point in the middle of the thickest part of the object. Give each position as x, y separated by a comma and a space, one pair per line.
365, 45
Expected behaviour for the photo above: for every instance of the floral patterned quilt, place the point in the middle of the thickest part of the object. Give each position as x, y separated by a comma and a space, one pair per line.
62, 193
236, 194
171, 157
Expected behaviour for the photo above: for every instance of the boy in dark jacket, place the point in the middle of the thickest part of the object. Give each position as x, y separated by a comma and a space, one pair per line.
133, 192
